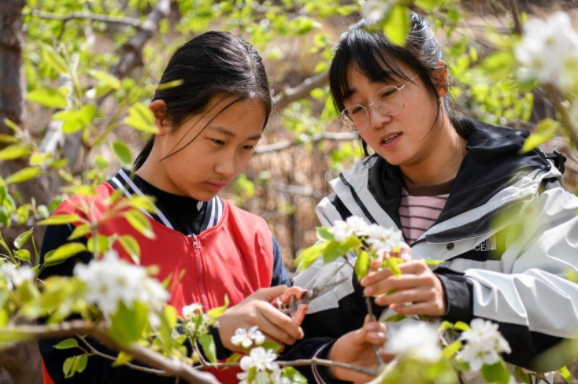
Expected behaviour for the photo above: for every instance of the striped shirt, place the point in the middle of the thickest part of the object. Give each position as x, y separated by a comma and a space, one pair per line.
421, 206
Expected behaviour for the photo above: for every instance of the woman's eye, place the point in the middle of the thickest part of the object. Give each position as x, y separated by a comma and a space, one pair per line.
387, 93
218, 142
355, 110
249, 147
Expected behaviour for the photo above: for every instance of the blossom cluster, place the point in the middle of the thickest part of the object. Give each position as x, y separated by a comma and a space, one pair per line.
549, 52
15, 276
260, 365
380, 240
416, 340
246, 338
112, 281
375, 10
197, 323
484, 344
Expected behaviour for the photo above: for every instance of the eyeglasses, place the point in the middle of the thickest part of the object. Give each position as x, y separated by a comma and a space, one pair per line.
388, 101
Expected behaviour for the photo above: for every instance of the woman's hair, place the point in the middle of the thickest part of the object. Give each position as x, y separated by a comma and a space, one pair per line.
377, 58
209, 65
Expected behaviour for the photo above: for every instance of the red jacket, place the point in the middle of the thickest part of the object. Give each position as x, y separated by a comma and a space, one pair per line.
232, 258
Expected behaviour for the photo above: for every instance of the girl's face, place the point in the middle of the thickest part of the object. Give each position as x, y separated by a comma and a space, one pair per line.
405, 139
219, 153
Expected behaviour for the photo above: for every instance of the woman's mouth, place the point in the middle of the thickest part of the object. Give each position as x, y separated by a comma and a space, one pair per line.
214, 187
390, 140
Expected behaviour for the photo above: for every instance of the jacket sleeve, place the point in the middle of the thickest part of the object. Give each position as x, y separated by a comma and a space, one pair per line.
98, 370
534, 304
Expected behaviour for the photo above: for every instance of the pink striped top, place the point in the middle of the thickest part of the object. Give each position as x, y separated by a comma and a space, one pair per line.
420, 207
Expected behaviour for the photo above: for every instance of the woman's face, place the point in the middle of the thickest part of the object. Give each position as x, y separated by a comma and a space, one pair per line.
219, 153
405, 139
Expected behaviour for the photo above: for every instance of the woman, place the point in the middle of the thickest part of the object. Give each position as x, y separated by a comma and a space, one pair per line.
460, 191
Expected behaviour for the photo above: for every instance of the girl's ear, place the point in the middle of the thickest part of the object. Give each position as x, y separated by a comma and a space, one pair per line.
440, 75
159, 109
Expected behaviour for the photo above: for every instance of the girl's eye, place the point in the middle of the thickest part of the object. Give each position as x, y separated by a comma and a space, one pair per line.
249, 147
355, 109
387, 93
218, 142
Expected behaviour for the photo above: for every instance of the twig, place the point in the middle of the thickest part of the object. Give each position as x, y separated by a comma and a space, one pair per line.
515, 12
86, 16
373, 318
556, 98
306, 362
96, 352
300, 91
172, 367
332, 136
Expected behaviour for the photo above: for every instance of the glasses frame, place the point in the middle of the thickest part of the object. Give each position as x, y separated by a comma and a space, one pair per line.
345, 115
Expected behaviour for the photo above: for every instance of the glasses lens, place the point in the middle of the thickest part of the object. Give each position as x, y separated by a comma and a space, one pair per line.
354, 118
389, 100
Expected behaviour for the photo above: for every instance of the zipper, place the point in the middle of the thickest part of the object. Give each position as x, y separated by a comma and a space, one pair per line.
197, 248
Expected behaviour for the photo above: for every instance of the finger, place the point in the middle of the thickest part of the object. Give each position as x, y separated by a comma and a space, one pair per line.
268, 294
410, 295
272, 331
413, 267
283, 323
300, 314
296, 292
374, 277
375, 264
428, 309
396, 282
377, 338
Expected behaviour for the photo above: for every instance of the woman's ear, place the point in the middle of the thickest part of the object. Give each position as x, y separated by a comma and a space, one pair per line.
159, 109
440, 75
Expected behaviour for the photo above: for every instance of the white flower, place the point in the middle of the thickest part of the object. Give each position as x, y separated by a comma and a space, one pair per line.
383, 239
375, 10
415, 340
256, 335
341, 231
191, 310
260, 358
484, 344
242, 338
112, 280
549, 51
354, 225
15, 277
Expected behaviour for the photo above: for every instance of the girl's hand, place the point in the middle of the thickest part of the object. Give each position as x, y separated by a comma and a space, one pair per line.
356, 348
257, 310
417, 285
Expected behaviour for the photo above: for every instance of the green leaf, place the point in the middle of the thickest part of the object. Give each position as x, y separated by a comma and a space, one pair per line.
131, 247
79, 231
499, 65
171, 316
428, 5
60, 219
54, 60
362, 265
393, 265
432, 263
106, 79
522, 376
48, 97
128, 324
67, 367
23, 213
216, 312
269, 344
122, 359
545, 130
145, 203
102, 244
565, 373
8, 335
122, 152
234, 358
82, 363
170, 84
67, 344
63, 252
324, 233
22, 254
496, 373
309, 255
23, 238
75, 120
208, 344
395, 318
461, 326
294, 376
451, 350
140, 222
397, 24
15, 151
140, 117
4, 138
23, 175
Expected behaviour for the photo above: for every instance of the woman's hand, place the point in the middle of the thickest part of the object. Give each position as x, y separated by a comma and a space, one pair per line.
356, 348
417, 285
257, 310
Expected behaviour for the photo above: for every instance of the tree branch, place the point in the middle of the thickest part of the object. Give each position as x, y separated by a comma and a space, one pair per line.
333, 136
515, 12
172, 367
560, 106
86, 16
301, 91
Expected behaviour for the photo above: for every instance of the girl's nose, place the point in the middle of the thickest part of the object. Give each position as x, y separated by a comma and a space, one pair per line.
377, 119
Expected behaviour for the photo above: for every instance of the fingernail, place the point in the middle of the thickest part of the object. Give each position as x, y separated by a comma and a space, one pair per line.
367, 291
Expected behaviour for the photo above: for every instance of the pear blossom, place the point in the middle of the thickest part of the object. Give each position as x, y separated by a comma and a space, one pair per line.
263, 361
549, 52
246, 338
416, 340
484, 344
383, 239
112, 280
375, 10
191, 310
14, 276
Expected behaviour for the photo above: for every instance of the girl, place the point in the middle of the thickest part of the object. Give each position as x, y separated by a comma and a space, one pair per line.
208, 129
458, 190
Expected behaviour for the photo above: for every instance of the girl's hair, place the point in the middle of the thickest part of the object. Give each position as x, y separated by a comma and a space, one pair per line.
377, 58
209, 65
